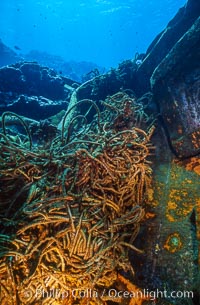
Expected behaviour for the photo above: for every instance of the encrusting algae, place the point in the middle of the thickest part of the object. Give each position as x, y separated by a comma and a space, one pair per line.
71, 212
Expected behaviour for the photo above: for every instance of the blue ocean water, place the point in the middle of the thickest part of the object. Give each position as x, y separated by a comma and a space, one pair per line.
105, 32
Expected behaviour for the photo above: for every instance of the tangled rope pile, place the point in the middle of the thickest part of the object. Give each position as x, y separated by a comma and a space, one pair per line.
70, 213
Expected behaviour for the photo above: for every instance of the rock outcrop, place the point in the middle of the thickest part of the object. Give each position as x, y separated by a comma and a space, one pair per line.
33, 91
7, 56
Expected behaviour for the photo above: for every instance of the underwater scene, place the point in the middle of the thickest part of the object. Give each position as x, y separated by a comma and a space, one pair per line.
100, 152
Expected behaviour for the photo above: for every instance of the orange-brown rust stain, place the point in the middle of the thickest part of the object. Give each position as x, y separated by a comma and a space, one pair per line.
176, 195
179, 204
180, 129
182, 195
192, 164
137, 292
195, 137
173, 242
198, 225
149, 215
